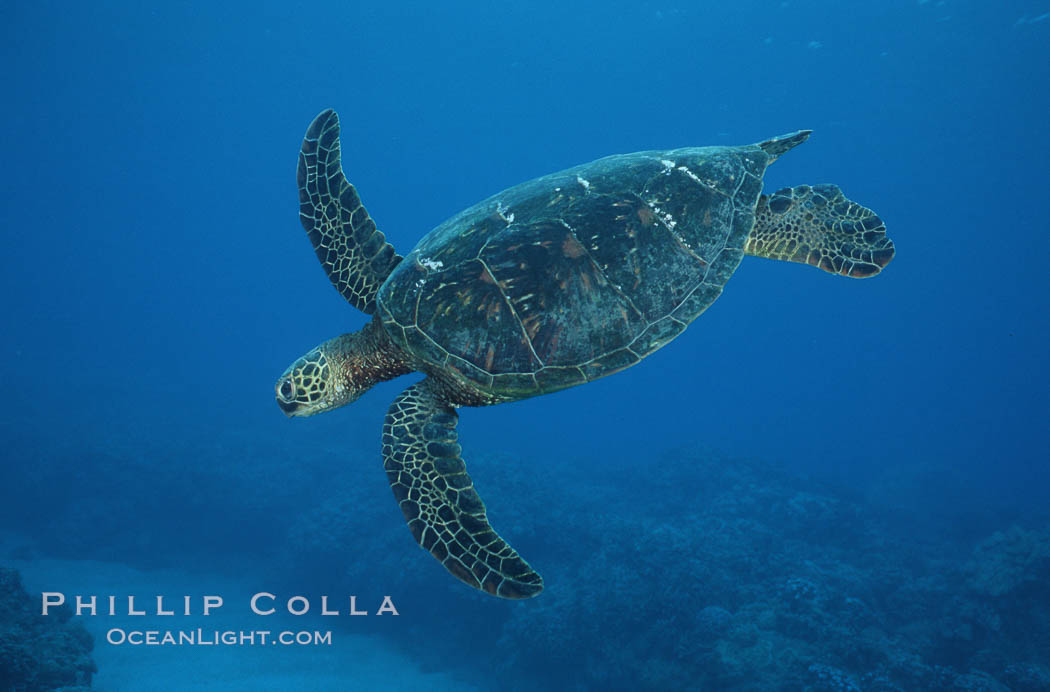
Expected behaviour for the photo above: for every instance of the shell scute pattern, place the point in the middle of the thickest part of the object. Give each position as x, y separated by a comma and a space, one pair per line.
639, 254
551, 379
460, 298
579, 274
656, 335
568, 309
468, 371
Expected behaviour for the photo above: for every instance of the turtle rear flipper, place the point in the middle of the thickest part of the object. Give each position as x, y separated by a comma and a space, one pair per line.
437, 497
354, 254
817, 225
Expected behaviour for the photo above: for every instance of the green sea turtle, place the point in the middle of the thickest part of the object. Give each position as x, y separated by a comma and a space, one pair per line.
553, 283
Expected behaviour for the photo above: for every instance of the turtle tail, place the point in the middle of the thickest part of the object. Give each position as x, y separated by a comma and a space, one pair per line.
817, 225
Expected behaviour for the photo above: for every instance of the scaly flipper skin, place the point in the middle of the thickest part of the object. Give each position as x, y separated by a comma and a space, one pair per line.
437, 497
354, 254
818, 226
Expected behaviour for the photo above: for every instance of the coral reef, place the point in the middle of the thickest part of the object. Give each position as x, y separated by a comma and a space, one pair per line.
37, 653
825, 678
1028, 677
688, 572
1010, 559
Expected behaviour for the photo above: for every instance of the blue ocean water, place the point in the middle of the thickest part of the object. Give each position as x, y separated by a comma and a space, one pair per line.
709, 519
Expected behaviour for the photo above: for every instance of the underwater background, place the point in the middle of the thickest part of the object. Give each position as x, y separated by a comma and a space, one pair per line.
823, 484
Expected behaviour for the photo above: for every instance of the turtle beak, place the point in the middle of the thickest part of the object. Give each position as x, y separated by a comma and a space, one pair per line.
289, 407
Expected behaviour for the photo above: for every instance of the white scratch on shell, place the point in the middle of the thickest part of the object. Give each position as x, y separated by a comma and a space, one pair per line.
501, 209
708, 183
665, 217
692, 175
430, 264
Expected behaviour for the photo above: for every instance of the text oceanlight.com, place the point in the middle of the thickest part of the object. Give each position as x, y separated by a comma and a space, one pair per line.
201, 637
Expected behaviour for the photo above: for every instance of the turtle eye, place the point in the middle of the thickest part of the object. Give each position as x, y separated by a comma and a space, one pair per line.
286, 391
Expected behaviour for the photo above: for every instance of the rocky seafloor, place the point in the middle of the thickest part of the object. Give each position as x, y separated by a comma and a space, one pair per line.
683, 571
39, 654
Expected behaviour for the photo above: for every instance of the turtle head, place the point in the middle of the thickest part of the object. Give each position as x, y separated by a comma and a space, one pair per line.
310, 385
337, 373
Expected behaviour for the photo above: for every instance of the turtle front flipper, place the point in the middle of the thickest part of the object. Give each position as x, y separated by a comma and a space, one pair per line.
817, 225
437, 497
354, 254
